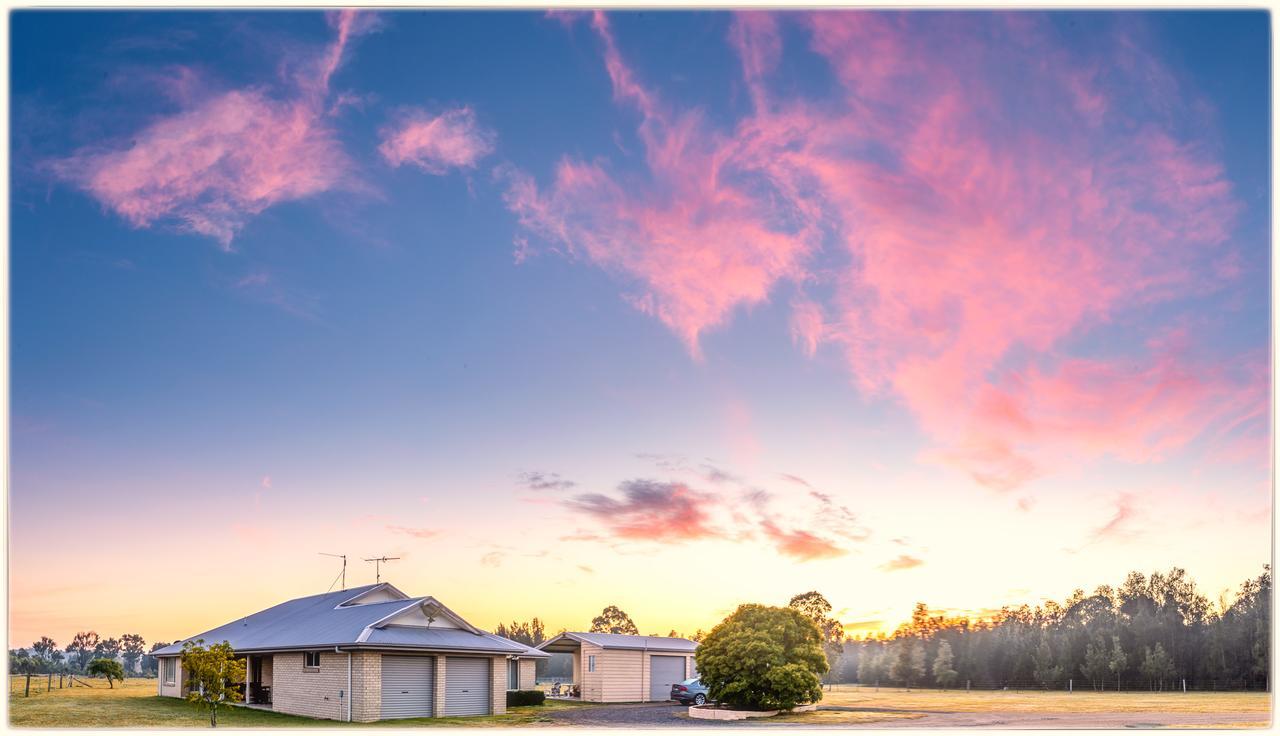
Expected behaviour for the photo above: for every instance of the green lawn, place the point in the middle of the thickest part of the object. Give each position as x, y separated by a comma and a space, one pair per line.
134, 704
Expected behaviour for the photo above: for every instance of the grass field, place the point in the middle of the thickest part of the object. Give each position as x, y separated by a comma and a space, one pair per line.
1055, 701
135, 704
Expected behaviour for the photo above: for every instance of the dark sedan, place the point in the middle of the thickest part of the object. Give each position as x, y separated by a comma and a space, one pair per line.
689, 691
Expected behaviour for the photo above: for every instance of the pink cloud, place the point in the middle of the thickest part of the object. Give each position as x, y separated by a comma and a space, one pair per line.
902, 562
651, 510
800, 544
416, 532
225, 158
266, 481
979, 201
436, 143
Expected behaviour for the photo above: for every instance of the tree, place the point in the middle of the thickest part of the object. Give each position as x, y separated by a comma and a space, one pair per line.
763, 658
815, 607
82, 646
872, 666
1096, 664
212, 675
907, 664
108, 668
1118, 660
108, 648
45, 648
149, 665
943, 672
1156, 666
132, 647
613, 620
1047, 673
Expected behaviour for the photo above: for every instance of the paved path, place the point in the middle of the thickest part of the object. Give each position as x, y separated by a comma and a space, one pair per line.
668, 715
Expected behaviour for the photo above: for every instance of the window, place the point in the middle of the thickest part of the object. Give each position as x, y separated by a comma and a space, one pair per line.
311, 660
591, 663
169, 664
513, 674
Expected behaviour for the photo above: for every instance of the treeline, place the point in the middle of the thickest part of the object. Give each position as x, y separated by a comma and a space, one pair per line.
44, 656
1152, 632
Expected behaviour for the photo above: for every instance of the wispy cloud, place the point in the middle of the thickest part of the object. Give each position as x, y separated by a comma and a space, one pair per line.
436, 143
650, 510
415, 532
227, 157
974, 255
902, 562
539, 481
800, 544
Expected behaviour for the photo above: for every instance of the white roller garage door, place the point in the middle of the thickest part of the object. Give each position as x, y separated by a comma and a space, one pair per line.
467, 683
408, 686
663, 673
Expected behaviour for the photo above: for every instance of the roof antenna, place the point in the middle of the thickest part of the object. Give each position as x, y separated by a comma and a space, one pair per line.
377, 565
344, 570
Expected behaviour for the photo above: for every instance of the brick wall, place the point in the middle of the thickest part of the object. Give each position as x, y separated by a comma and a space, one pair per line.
498, 688
440, 683
313, 692
528, 674
366, 686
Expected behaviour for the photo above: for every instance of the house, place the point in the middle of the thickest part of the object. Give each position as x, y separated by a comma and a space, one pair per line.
366, 654
622, 668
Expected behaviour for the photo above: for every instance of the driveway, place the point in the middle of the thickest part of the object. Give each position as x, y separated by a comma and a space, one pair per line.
670, 715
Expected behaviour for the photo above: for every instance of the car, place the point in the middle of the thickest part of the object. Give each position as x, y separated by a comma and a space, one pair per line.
689, 691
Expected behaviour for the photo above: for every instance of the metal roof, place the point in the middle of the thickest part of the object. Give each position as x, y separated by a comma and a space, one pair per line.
619, 641
321, 621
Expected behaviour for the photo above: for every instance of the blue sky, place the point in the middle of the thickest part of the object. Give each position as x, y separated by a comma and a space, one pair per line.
372, 352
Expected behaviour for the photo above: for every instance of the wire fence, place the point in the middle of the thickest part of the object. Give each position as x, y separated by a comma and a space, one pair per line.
1070, 685
43, 682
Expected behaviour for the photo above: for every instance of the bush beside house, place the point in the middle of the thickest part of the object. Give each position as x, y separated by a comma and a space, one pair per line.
763, 658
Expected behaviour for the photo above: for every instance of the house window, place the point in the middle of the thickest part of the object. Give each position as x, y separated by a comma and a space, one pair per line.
170, 669
513, 674
311, 660
591, 663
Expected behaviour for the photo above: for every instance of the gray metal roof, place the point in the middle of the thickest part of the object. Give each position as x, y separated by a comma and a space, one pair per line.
318, 621
622, 641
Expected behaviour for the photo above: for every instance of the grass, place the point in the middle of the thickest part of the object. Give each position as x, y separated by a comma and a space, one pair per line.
837, 717
134, 704
980, 701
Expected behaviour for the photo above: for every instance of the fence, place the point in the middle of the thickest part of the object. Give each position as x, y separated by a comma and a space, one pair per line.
1073, 685
43, 682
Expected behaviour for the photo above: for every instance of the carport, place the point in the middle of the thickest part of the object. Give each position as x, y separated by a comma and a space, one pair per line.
622, 668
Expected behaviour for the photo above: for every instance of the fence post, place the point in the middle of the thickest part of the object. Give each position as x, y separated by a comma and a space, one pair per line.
49, 685
1070, 685
27, 693
966, 685
1184, 686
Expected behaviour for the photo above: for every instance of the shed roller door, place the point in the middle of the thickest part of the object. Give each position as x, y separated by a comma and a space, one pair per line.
467, 683
408, 686
663, 673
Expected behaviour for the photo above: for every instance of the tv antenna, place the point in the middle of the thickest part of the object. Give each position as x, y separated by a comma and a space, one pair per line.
377, 565
344, 570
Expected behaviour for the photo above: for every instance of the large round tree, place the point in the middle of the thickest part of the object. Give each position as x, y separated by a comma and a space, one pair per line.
763, 658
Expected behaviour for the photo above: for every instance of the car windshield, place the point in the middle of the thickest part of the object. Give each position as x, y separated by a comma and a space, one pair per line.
694, 681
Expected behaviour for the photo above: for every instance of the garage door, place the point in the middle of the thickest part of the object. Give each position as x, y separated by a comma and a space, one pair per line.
663, 673
466, 684
408, 686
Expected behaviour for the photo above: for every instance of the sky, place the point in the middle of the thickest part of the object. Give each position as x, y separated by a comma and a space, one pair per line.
668, 310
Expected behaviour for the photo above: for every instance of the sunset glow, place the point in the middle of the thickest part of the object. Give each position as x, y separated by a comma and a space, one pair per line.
671, 311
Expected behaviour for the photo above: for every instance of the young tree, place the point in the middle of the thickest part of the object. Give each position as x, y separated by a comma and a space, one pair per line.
132, 647
212, 674
763, 658
1047, 673
82, 646
815, 607
1117, 661
613, 620
872, 667
1096, 664
108, 668
908, 661
943, 672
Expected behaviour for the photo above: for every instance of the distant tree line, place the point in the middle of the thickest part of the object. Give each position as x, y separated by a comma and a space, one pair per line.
1150, 633
44, 656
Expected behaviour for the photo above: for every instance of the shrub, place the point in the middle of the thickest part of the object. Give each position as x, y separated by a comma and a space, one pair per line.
525, 697
763, 658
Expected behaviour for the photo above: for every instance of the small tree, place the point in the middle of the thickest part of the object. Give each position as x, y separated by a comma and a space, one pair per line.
613, 620
212, 674
108, 668
132, 647
943, 672
871, 667
1118, 660
763, 658
82, 646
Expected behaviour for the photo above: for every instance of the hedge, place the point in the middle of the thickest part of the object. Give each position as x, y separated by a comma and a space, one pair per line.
525, 697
